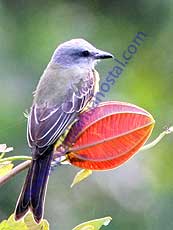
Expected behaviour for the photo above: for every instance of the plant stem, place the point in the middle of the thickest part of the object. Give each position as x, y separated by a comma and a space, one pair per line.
14, 171
157, 140
15, 158
24, 165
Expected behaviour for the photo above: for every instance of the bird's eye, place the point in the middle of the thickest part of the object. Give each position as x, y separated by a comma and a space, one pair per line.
85, 53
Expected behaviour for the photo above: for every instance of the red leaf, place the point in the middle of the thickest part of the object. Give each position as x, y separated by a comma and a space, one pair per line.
108, 135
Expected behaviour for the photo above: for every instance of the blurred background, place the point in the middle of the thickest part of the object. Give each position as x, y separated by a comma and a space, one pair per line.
138, 195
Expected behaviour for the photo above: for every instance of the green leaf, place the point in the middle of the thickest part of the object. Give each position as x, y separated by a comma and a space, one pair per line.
11, 224
5, 167
94, 224
27, 223
30, 223
81, 175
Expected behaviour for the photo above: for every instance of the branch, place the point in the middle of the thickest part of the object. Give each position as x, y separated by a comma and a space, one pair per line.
158, 139
26, 164
14, 171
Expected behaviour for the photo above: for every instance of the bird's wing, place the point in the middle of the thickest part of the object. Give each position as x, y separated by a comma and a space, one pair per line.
47, 123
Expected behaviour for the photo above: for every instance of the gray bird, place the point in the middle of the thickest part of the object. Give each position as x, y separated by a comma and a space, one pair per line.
66, 86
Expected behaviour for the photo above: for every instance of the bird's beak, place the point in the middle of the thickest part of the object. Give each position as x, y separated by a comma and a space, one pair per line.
99, 54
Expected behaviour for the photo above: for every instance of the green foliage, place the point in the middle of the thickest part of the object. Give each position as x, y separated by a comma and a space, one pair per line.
26, 224
94, 224
81, 175
5, 166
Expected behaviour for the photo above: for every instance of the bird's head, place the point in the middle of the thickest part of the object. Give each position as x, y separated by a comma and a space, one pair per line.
78, 52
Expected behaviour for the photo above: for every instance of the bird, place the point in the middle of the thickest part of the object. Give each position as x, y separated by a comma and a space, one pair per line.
66, 87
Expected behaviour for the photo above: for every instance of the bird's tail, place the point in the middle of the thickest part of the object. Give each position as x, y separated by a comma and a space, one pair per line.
33, 192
